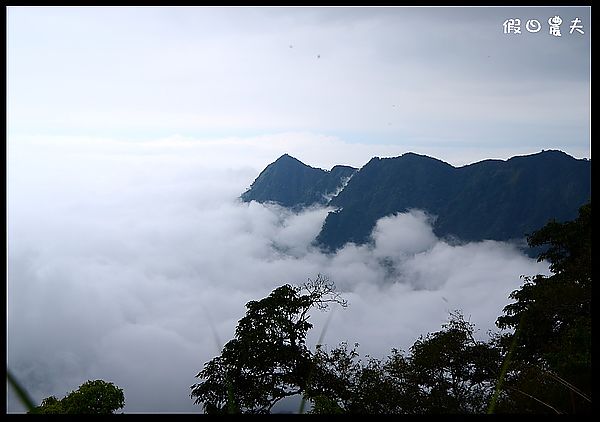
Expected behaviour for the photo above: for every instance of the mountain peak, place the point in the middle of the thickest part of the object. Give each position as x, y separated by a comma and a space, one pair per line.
287, 157
490, 199
287, 160
291, 183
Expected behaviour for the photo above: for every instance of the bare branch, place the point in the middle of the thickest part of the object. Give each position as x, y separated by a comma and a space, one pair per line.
322, 292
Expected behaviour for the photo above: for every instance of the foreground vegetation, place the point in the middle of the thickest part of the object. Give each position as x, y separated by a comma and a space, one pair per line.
96, 397
539, 363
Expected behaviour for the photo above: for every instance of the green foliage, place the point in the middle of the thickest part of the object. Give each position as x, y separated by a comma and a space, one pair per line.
541, 363
345, 384
551, 316
92, 397
323, 405
454, 372
267, 359
446, 372
333, 379
51, 406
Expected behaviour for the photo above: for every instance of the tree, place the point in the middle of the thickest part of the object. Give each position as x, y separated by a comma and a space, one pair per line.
551, 343
446, 372
343, 383
454, 373
92, 397
267, 359
333, 379
50, 405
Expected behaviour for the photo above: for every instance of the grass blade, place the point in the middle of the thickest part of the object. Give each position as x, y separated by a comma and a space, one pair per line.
22, 394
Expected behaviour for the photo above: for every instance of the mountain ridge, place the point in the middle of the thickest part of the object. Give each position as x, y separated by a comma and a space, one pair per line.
291, 183
489, 199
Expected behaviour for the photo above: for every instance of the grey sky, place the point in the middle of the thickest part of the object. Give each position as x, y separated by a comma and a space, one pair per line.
417, 78
132, 132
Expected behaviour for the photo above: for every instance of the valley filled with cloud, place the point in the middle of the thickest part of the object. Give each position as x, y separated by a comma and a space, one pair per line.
131, 261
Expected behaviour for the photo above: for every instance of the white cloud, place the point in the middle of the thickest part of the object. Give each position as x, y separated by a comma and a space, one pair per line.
132, 262
407, 233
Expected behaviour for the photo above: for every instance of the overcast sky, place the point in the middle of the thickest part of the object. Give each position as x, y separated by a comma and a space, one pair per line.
435, 80
133, 131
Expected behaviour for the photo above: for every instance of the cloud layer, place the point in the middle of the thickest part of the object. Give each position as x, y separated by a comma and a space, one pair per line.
132, 263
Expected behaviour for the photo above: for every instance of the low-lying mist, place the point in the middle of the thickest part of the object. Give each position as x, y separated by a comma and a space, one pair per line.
132, 263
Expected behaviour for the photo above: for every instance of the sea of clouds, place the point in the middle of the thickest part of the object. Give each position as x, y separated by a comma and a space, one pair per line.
131, 262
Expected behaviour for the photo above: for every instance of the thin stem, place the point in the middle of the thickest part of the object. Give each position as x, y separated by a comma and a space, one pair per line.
534, 398
504, 369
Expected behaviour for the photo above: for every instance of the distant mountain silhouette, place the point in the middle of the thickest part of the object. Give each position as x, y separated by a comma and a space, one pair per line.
490, 199
291, 183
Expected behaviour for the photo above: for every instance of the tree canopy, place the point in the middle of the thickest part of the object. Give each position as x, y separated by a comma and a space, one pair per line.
539, 363
267, 359
552, 322
445, 372
92, 397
